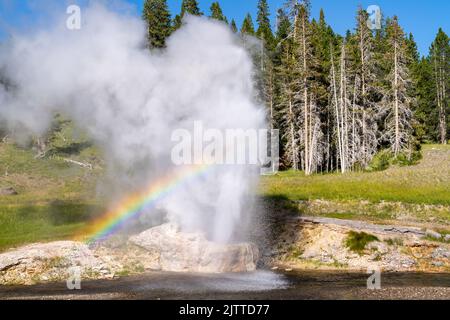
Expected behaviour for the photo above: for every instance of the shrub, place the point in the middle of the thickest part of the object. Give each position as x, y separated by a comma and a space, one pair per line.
381, 161
357, 241
408, 158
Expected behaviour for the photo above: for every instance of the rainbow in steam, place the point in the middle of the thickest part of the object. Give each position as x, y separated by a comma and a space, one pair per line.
130, 207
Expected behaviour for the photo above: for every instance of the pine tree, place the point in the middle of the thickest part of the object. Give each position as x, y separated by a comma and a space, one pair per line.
288, 109
440, 59
247, 26
397, 102
191, 7
301, 123
187, 6
176, 23
283, 26
216, 12
414, 89
426, 111
305, 57
233, 26
264, 31
157, 17
322, 39
286, 88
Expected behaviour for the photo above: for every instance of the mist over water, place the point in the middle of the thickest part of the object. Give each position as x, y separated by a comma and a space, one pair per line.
130, 100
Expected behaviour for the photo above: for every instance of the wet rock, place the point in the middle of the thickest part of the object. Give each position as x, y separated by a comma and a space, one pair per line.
192, 252
8, 192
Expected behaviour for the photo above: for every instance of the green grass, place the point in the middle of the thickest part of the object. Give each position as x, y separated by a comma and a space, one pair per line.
54, 201
357, 241
425, 183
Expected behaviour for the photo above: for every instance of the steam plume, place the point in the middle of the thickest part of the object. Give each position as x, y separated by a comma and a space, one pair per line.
130, 100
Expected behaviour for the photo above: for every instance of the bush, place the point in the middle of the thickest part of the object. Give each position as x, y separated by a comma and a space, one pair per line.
381, 161
409, 157
357, 241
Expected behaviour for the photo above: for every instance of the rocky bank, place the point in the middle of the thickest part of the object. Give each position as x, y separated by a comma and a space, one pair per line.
298, 243
163, 248
321, 243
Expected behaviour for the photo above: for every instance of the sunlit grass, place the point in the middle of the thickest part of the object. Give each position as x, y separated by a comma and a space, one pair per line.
426, 183
54, 198
57, 199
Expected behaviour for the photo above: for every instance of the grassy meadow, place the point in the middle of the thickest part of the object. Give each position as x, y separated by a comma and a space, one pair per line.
425, 183
56, 199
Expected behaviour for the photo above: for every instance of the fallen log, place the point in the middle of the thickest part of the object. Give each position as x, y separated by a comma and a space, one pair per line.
81, 164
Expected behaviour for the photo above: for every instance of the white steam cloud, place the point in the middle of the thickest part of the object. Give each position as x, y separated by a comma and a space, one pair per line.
130, 101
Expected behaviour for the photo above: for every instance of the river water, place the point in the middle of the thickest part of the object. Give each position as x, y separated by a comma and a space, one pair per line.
264, 285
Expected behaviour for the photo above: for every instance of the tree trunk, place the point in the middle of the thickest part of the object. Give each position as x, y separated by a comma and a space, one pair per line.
336, 107
294, 142
305, 97
396, 107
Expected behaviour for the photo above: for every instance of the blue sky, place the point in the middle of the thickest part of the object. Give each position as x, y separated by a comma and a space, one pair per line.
422, 18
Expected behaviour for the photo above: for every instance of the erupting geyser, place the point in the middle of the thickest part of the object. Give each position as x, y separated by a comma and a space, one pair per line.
130, 101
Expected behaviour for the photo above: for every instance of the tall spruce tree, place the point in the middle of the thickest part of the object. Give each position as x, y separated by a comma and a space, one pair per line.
187, 6
176, 23
305, 57
191, 7
217, 13
157, 17
287, 86
264, 31
301, 117
426, 112
248, 27
233, 26
440, 60
288, 109
283, 26
323, 38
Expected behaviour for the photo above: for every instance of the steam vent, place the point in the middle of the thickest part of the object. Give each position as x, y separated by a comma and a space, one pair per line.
192, 252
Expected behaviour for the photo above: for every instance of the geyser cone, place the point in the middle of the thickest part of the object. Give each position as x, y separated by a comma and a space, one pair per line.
192, 252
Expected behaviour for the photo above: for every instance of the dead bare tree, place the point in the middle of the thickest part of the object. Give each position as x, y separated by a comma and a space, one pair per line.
396, 106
